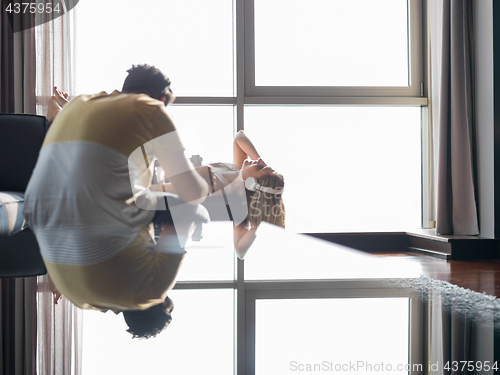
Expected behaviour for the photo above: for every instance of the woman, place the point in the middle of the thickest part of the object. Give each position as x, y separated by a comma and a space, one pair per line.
264, 203
263, 191
264, 198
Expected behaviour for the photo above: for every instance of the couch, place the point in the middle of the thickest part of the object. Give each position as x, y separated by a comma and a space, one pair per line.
21, 137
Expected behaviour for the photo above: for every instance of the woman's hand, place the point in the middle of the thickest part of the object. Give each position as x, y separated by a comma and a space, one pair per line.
261, 162
243, 148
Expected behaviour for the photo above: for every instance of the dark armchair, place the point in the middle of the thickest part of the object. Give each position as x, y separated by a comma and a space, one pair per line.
21, 137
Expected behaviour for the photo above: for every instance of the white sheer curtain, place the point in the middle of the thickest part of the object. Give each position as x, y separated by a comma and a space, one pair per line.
58, 326
59, 334
55, 53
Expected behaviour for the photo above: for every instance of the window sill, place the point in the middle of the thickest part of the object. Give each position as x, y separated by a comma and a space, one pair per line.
424, 241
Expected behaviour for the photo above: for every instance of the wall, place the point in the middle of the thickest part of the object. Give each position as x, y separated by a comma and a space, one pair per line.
483, 50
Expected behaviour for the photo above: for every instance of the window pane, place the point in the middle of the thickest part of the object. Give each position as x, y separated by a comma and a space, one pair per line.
331, 43
196, 331
190, 41
205, 130
211, 258
345, 168
291, 334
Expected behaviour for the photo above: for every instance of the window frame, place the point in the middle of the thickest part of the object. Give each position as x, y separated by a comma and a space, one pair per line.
332, 290
248, 291
245, 92
350, 95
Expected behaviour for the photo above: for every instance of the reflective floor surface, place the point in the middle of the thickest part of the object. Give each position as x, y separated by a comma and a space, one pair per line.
301, 305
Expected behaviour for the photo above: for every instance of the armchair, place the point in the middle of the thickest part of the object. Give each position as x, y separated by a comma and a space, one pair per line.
21, 137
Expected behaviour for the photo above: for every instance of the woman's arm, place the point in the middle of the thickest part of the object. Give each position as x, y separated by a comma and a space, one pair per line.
205, 172
243, 148
166, 187
186, 181
243, 238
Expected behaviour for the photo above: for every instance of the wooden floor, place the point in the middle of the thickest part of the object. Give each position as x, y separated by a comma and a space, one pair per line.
278, 255
480, 276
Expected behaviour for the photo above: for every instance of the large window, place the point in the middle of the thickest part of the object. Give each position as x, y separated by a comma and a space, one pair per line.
331, 93
329, 90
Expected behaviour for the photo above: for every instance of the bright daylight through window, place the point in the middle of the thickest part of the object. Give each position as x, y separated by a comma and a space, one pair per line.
355, 168
331, 43
321, 340
328, 90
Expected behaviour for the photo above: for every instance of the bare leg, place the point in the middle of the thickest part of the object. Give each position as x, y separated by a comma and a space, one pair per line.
53, 109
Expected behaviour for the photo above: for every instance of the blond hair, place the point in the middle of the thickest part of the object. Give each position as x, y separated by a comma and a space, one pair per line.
264, 206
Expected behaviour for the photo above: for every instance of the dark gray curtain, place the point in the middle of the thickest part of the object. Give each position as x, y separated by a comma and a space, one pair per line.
18, 326
462, 330
17, 68
452, 116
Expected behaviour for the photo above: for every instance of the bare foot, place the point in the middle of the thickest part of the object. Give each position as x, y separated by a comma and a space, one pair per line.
53, 109
57, 297
55, 293
61, 97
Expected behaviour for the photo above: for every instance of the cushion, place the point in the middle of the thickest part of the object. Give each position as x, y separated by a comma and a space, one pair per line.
21, 137
11, 213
